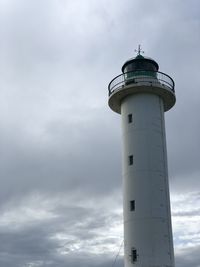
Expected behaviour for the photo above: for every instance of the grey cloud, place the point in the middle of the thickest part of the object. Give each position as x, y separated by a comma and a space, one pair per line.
58, 136
62, 166
188, 257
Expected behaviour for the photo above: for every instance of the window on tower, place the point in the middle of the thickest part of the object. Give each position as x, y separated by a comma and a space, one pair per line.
134, 255
130, 159
132, 205
130, 118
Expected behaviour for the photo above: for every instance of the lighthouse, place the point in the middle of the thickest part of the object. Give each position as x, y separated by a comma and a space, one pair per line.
142, 94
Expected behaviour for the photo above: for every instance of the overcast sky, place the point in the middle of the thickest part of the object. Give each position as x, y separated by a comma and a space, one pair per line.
60, 145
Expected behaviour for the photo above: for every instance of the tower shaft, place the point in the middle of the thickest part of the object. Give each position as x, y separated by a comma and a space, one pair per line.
147, 219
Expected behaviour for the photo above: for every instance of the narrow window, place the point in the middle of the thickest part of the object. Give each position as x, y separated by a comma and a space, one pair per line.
134, 255
130, 158
130, 118
132, 205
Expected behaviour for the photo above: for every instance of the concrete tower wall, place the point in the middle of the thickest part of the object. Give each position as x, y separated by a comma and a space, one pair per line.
147, 220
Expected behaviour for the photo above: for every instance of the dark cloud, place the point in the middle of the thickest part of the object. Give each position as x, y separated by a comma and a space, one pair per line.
65, 237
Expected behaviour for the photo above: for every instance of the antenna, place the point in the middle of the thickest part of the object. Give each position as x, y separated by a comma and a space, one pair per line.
139, 50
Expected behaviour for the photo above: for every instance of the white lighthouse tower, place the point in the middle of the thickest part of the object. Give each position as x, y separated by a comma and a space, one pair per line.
141, 94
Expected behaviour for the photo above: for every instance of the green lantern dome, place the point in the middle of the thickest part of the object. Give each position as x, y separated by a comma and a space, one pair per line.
140, 63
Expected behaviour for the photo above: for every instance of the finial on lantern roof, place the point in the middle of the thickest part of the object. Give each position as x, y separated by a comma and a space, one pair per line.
139, 50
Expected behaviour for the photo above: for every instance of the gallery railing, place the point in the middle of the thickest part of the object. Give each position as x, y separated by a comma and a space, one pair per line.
138, 77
